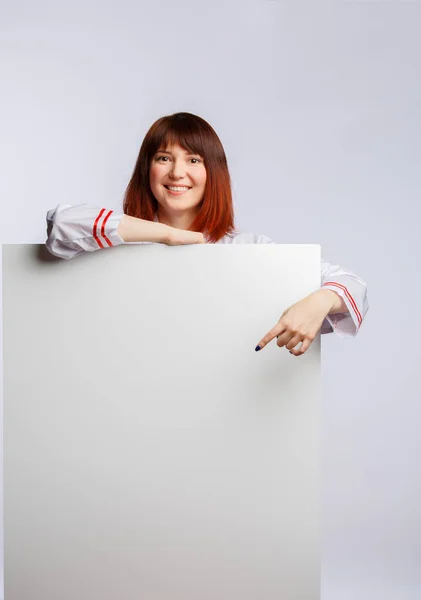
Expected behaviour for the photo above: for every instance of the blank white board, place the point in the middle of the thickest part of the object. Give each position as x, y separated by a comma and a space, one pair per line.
149, 452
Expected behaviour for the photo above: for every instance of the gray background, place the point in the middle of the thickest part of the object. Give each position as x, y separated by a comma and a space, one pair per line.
318, 107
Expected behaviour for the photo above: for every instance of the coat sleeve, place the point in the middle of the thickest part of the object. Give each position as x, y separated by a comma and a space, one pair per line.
350, 287
353, 290
73, 229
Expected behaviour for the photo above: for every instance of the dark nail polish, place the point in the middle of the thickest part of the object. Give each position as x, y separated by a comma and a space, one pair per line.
257, 348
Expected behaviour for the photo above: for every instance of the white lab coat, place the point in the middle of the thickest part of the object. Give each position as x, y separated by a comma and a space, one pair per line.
73, 229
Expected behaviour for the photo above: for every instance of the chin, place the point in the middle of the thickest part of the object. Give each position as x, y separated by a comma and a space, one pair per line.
182, 207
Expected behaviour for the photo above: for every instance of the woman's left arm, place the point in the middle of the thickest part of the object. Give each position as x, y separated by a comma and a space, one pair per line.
339, 306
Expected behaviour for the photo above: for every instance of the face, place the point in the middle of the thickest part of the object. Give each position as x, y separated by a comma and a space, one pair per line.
175, 167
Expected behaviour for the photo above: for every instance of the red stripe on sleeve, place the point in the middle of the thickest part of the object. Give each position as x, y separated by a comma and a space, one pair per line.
103, 228
94, 233
350, 298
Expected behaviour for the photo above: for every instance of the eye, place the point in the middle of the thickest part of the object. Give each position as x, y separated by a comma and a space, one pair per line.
161, 159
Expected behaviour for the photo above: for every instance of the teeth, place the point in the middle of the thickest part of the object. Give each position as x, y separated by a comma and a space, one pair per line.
177, 189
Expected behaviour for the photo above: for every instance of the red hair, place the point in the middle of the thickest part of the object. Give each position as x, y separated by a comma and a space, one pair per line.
216, 214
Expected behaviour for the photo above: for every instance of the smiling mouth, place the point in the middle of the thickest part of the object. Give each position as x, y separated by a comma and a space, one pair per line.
177, 188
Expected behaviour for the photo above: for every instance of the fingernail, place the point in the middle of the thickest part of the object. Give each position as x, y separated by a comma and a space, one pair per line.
257, 348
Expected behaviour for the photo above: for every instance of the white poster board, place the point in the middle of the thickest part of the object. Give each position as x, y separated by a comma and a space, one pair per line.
149, 452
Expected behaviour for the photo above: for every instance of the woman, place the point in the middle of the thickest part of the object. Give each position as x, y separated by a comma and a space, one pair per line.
180, 193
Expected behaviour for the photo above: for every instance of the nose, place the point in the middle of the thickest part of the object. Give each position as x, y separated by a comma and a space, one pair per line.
177, 171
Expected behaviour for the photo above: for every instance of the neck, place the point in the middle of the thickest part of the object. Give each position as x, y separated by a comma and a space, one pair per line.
179, 221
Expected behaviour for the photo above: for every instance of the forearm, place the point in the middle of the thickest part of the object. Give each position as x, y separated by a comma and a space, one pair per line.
337, 303
131, 229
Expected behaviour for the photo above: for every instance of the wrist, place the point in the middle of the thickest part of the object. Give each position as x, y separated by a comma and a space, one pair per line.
333, 301
337, 303
165, 233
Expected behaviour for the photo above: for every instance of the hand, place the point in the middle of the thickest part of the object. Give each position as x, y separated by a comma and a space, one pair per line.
300, 322
179, 237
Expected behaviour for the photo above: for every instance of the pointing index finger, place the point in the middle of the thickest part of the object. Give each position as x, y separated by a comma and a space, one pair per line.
268, 337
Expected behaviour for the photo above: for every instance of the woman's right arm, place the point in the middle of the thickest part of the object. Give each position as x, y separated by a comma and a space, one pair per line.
73, 229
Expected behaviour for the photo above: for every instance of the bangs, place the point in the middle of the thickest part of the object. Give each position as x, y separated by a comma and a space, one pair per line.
181, 133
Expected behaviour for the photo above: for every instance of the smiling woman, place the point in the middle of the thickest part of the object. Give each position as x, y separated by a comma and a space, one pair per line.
180, 193
182, 149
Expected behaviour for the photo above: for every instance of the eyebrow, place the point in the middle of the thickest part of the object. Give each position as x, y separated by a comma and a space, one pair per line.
188, 153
